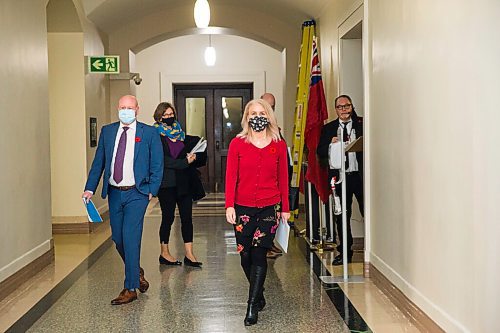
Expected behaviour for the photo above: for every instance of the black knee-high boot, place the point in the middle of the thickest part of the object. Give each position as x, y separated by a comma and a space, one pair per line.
257, 278
247, 267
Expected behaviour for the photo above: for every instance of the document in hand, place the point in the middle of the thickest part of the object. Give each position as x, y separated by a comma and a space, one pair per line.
201, 146
282, 234
335, 155
92, 212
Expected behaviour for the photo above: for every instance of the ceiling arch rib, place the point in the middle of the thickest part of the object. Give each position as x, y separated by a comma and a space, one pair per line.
62, 17
207, 31
110, 15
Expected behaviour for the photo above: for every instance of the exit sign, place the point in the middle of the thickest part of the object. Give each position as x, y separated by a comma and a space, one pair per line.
104, 64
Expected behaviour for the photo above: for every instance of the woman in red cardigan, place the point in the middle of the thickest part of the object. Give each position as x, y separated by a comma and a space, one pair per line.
256, 195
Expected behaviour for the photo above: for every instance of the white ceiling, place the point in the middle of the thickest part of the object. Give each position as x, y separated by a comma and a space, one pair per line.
110, 14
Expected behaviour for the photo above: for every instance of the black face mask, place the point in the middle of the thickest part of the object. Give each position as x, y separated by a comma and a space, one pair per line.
258, 123
168, 121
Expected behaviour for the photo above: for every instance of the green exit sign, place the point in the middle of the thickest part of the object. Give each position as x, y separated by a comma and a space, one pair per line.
104, 64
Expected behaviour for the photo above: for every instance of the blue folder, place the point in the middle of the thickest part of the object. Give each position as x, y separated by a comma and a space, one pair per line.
92, 212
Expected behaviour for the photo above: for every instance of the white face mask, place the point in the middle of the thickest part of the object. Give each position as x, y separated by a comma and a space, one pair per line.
126, 116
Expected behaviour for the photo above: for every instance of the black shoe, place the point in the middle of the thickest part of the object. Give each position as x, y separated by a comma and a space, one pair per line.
188, 262
164, 261
255, 294
339, 260
252, 315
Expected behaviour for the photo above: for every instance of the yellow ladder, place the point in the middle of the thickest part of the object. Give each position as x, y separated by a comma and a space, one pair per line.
303, 82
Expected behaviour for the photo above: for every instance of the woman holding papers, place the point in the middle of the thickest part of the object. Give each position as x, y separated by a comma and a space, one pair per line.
256, 184
181, 184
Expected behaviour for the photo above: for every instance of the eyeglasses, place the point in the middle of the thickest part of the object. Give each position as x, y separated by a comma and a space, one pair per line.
343, 107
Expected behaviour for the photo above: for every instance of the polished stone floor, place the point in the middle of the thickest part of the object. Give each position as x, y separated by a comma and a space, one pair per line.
185, 299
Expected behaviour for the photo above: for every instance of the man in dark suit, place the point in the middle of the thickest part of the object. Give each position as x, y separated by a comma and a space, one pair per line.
131, 156
353, 128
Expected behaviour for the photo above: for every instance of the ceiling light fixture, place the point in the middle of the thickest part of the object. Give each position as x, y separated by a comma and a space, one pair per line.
210, 55
202, 13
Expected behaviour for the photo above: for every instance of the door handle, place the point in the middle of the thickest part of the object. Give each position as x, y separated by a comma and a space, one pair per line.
217, 145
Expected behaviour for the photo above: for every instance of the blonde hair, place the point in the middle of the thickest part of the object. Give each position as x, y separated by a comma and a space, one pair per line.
272, 129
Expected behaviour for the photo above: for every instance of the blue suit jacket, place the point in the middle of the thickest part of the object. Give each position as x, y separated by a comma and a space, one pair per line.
148, 159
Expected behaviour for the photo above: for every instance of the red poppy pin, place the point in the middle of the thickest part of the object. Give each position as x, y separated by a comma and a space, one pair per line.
137, 139
272, 150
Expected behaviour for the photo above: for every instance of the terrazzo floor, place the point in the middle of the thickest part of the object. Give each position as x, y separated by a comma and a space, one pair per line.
185, 299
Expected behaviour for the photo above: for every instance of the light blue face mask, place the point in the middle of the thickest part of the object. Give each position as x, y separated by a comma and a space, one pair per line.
126, 116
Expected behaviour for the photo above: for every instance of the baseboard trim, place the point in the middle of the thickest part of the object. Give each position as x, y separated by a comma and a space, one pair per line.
8, 285
421, 320
366, 269
30, 317
78, 227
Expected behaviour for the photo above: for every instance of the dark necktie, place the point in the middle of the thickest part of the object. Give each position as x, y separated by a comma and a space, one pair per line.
345, 138
120, 156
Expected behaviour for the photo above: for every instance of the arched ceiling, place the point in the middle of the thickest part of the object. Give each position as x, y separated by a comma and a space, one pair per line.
109, 15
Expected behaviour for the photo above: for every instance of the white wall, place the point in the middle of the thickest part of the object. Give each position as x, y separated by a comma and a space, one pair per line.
96, 91
181, 60
67, 106
434, 156
24, 135
74, 97
351, 77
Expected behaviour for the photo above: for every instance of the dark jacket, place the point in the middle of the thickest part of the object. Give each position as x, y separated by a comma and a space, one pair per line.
179, 173
328, 132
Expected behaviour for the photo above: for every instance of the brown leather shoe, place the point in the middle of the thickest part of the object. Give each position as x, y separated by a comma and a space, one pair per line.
143, 284
126, 296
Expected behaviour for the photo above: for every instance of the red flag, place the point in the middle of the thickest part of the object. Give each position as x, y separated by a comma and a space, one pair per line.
316, 115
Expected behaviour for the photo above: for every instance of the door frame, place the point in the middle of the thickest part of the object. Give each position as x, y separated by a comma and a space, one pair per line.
211, 117
359, 12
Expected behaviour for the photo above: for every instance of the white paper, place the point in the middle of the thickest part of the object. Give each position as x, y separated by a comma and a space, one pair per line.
282, 234
201, 146
335, 155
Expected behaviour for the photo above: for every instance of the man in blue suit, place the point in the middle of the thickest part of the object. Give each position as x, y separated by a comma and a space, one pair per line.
130, 154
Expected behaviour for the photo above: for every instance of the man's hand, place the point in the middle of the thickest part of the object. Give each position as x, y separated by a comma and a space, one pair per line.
231, 215
335, 139
87, 195
191, 158
150, 196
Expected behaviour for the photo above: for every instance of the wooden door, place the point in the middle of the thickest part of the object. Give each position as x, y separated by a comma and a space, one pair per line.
213, 111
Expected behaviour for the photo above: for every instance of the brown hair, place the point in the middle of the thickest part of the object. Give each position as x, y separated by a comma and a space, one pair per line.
160, 110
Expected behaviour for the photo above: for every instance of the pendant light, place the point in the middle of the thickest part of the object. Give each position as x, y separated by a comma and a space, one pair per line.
210, 55
202, 13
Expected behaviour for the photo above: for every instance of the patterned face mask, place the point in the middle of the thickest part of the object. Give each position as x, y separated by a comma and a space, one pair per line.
258, 123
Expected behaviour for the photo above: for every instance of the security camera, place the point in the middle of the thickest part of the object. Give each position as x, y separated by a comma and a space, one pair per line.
137, 80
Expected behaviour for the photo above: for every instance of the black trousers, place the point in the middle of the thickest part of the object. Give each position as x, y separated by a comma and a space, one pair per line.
354, 187
168, 200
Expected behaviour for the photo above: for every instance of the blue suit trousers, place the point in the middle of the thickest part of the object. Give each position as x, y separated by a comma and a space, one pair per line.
126, 214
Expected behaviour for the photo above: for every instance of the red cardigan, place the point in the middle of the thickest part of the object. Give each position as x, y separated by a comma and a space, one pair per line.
257, 177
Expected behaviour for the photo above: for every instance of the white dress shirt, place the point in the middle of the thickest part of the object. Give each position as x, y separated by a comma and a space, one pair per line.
128, 162
351, 134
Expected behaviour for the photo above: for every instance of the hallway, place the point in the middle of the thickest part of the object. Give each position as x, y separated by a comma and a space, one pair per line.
184, 299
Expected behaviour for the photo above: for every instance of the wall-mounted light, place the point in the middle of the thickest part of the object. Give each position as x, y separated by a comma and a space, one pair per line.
210, 55
201, 13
